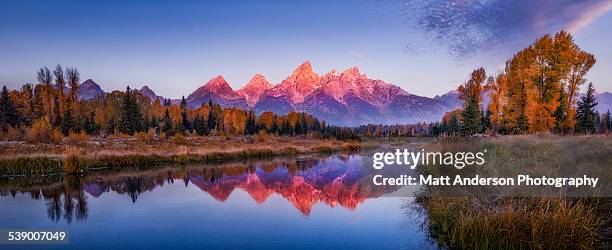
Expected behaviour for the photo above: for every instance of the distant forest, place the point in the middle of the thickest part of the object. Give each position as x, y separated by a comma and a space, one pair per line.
49, 110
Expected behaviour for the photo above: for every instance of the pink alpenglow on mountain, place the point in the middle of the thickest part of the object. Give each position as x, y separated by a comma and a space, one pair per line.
302, 82
254, 89
348, 98
218, 91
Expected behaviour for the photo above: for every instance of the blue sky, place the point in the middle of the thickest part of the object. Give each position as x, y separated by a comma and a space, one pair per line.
426, 47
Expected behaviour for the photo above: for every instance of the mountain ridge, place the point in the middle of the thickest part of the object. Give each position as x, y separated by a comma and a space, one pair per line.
347, 98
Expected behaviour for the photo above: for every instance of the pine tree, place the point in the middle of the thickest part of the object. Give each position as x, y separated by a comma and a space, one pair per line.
57, 115
131, 118
167, 126
67, 123
184, 116
154, 123
454, 125
90, 126
585, 113
251, 127
8, 112
212, 116
470, 93
125, 122
110, 127
200, 126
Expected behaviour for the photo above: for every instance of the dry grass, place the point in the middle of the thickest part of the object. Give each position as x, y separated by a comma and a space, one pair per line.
528, 222
42, 132
121, 151
80, 139
515, 223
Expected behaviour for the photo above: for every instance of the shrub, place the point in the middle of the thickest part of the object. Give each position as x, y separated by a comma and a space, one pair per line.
262, 136
180, 139
147, 138
77, 139
42, 132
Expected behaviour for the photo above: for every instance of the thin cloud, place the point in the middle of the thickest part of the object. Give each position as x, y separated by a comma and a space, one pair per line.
467, 27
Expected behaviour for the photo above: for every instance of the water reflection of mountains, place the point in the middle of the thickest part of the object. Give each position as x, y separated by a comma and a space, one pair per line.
336, 180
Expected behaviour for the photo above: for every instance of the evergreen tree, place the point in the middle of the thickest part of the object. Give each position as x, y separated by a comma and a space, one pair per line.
57, 116
125, 121
110, 127
454, 125
130, 119
68, 122
167, 126
90, 126
212, 116
585, 113
470, 93
8, 112
200, 126
471, 120
136, 116
184, 116
154, 123
251, 127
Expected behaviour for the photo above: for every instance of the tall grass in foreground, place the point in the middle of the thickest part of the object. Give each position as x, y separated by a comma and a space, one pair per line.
515, 223
523, 222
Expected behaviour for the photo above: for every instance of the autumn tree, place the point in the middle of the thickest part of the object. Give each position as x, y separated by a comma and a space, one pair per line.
73, 78
60, 83
45, 78
497, 88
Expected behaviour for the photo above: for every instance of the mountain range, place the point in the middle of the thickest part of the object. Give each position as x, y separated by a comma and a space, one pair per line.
347, 98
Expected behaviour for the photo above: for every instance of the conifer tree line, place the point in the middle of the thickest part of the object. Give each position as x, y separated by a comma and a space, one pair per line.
536, 92
54, 104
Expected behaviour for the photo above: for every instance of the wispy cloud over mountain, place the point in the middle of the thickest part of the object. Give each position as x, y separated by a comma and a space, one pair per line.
464, 27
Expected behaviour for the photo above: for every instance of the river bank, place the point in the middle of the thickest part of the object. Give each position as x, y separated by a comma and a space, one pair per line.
20, 158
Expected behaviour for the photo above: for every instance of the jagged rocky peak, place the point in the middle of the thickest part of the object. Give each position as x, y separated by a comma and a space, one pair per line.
255, 88
352, 72
217, 83
303, 81
258, 81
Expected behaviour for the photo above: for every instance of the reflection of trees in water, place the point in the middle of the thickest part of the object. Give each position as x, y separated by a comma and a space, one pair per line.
303, 182
133, 186
66, 200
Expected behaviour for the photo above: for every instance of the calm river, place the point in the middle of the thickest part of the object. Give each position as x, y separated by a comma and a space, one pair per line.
303, 203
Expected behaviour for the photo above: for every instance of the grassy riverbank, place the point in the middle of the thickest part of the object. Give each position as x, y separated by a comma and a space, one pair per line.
531, 222
85, 154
